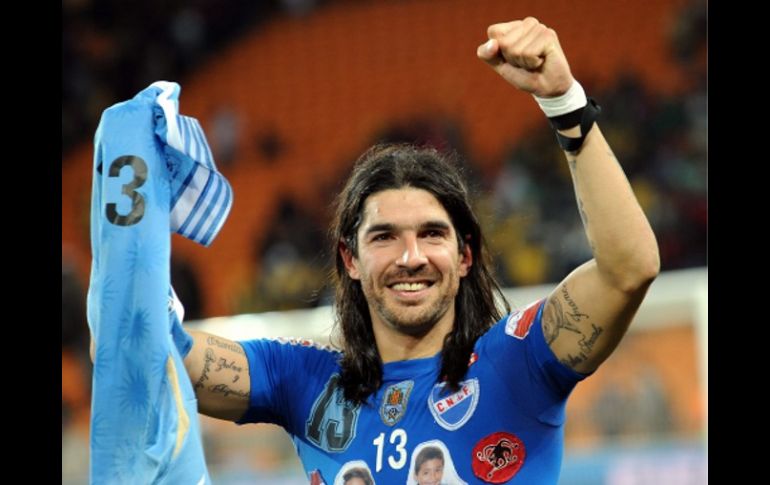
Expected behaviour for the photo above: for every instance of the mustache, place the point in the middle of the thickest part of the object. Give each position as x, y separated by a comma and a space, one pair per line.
416, 273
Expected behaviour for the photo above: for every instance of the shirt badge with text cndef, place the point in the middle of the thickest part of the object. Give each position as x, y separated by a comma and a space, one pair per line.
451, 410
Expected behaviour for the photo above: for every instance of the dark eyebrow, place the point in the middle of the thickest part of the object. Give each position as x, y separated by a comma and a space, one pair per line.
387, 227
381, 228
441, 225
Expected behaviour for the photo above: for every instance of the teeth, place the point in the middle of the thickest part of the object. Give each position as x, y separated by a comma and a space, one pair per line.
409, 286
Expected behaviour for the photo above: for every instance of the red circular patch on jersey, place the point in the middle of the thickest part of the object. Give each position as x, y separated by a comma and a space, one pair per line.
498, 457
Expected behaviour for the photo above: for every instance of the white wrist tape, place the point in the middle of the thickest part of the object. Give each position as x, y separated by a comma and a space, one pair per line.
573, 99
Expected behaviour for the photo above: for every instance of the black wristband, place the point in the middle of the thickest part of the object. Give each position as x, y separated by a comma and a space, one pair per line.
585, 117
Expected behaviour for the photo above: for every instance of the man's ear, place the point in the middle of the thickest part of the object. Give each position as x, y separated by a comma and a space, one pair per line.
466, 257
351, 263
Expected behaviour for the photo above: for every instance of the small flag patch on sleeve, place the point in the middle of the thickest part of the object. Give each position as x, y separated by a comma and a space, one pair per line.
520, 321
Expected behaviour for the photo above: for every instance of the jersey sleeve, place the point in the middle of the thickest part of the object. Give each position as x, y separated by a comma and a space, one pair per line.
527, 365
281, 373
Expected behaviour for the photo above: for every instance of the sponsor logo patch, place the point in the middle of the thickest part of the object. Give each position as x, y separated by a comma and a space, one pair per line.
394, 402
519, 322
451, 410
498, 457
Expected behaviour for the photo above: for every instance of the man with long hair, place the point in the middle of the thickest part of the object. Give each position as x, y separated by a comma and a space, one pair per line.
427, 351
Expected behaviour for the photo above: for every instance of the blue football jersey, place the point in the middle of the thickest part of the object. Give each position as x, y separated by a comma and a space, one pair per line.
503, 425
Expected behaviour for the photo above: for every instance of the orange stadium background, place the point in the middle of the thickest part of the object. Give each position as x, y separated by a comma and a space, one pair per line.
321, 87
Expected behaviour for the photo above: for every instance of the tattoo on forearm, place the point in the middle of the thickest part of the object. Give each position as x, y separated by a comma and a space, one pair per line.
235, 379
210, 357
226, 390
583, 214
584, 218
225, 345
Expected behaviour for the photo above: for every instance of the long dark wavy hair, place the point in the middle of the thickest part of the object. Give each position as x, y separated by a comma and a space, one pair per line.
393, 166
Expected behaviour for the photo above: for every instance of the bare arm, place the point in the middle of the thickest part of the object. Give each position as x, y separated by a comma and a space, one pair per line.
219, 372
589, 312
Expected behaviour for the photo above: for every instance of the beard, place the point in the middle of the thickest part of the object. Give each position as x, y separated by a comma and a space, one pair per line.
412, 319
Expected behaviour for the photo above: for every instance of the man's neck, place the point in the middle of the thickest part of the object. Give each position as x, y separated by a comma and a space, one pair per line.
395, 345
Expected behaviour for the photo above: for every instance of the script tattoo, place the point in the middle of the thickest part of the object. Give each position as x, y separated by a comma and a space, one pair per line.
576, 315
225, 345
225, 389
573, 360
210, 357
587, 344
222, 363
558, 318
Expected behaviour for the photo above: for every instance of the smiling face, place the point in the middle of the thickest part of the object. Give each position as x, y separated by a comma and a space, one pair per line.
430, 472
409, 263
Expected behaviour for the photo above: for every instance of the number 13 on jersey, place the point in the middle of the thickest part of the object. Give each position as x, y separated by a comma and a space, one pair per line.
396, 459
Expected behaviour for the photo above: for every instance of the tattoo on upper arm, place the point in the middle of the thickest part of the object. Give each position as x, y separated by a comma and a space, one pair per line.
559, 318
210, 357
554, 321
575, 315
211, 340
226, 390
572, 360
587, 344
222, 363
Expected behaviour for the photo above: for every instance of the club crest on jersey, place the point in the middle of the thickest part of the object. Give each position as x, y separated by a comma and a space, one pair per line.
394, 402
451, 410
520, 321
498, 457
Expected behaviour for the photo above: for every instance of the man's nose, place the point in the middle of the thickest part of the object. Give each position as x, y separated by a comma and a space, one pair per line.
413, 256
